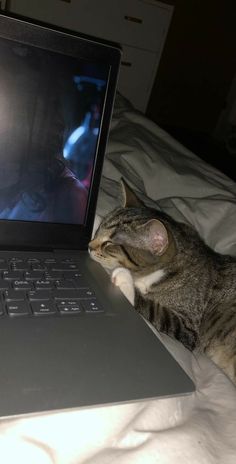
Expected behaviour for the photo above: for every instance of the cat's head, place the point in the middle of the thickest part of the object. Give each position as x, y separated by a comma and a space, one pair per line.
131, 236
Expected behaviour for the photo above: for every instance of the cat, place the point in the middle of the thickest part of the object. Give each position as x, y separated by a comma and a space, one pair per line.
174, 280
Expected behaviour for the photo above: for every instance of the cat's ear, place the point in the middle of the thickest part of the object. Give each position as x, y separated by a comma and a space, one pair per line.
151, 236
154, 236
129, 199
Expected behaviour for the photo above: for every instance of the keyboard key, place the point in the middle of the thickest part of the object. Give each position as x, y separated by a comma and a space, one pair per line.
69, 307
38, 295
22, 284
43, 284
20, 266
3, 265
37, 266
65, 284
87, 292
54, 275
4, 284
14, 295
43, 307
73, 294
12, 275
33, 261
15, 260
92, 306
64, 267
49, 260
20, 308
72, 274
34, 275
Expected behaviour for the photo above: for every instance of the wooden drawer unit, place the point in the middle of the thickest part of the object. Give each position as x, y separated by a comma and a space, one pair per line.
140, 26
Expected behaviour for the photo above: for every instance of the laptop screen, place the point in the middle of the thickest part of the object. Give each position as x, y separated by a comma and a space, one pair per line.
57, 89
51, 108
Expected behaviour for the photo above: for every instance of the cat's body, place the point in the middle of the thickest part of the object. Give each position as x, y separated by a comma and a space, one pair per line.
174, 280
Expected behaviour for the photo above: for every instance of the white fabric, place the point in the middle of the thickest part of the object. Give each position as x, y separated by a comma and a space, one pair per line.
194, 429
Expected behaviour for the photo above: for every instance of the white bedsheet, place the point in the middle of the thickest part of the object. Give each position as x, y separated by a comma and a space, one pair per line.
195, 429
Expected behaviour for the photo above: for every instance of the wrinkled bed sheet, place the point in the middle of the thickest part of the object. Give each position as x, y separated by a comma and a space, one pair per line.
194, 429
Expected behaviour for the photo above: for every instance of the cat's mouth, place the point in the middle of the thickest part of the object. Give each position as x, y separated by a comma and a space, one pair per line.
102, 260
93, 255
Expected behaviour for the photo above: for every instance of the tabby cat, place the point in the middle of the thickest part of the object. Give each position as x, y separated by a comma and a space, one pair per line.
172, 277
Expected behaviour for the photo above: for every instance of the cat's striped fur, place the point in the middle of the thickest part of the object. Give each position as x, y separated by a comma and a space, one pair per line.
182, 287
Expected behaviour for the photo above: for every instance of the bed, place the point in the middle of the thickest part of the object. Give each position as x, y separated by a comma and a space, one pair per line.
199, 428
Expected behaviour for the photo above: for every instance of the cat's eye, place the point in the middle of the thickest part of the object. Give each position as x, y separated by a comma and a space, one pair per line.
109, 248
106, 244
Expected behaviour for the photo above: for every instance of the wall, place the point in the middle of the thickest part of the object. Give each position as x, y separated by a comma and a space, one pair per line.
197, 65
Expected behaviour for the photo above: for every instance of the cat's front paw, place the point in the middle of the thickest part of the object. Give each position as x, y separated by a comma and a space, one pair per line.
122, 278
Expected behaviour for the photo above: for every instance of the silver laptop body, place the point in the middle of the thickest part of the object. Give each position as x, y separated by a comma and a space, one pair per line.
68, 338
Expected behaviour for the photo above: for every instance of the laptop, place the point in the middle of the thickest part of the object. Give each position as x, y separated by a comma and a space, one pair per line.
69, 338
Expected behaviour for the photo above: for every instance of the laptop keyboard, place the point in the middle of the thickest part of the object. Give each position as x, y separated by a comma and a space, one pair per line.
44, 287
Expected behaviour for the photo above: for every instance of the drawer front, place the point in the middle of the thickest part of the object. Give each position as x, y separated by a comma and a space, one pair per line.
139, 23
136, 77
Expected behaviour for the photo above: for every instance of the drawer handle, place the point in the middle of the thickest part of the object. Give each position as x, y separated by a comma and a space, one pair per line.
128, 64
133, 19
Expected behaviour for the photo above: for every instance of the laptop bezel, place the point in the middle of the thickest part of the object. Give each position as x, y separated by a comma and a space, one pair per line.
21, 235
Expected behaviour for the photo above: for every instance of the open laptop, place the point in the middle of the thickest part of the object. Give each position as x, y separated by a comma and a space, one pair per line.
68, 337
